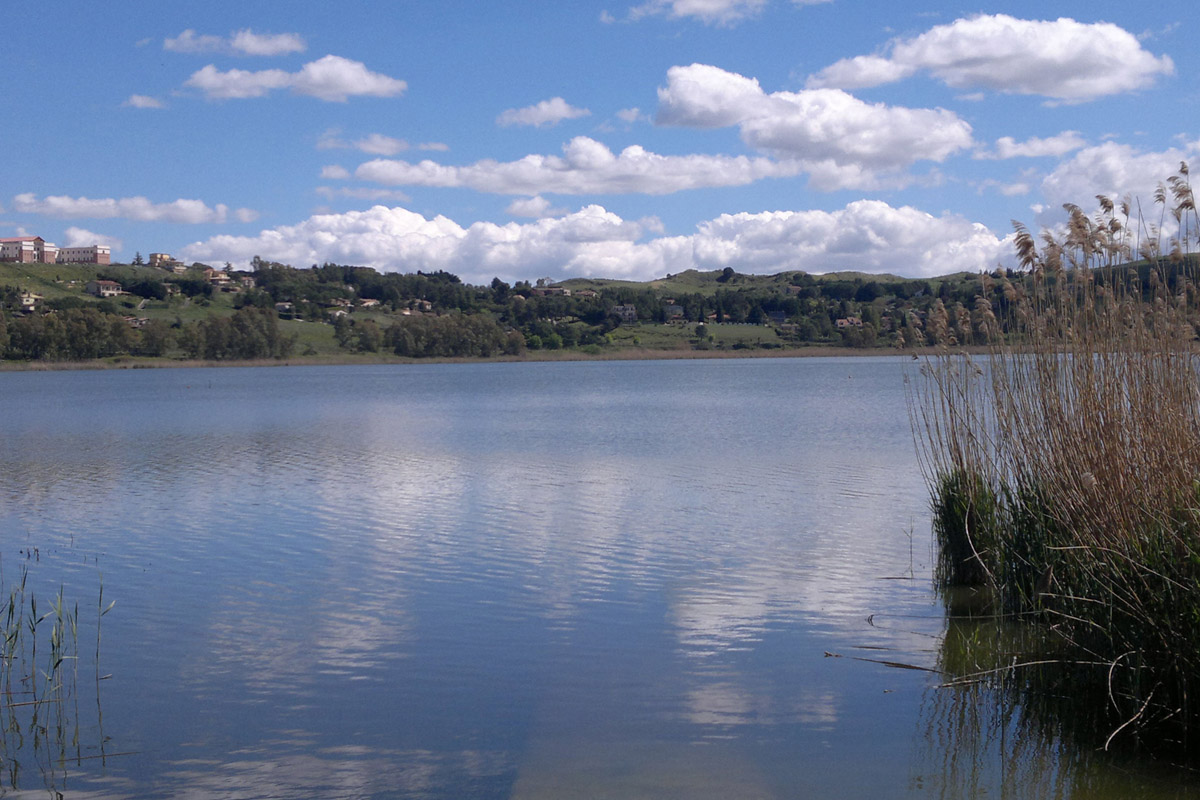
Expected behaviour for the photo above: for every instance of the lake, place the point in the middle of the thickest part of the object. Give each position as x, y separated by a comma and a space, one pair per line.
695, 579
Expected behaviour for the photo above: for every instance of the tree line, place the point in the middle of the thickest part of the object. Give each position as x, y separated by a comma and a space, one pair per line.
437, 315
87, 332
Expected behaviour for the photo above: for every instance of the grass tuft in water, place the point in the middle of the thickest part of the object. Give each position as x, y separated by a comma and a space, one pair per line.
39, 697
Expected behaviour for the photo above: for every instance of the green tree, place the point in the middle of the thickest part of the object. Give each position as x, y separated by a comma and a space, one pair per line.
369, 336
154, 339
191, 340
342, 331
451, 335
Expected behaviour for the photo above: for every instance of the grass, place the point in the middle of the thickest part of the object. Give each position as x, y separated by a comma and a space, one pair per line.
1065, 468
60, 280
683, 336
313, 338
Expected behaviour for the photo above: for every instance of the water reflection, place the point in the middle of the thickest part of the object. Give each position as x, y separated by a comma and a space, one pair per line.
990, 724
296, 767
533, 580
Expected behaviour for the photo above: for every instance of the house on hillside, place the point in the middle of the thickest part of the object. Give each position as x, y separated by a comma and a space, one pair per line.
29, 302
216, 277
103, 288
626, 314
165, 261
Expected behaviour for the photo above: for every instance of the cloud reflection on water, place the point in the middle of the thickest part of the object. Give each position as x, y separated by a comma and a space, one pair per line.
585, 566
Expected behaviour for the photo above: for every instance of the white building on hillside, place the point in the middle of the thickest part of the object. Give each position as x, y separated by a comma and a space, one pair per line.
36, 250
95, 254
28, 250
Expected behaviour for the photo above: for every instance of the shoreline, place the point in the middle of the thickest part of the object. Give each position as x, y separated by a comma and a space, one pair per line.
631, 354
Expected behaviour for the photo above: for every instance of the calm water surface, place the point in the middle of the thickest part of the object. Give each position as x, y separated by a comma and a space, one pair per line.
499, 580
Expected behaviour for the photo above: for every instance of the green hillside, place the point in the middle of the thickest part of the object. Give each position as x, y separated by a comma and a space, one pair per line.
348, 312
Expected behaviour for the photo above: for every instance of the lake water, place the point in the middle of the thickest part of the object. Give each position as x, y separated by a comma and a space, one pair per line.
533, 580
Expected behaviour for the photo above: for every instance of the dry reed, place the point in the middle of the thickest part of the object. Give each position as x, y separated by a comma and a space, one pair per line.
1065, 467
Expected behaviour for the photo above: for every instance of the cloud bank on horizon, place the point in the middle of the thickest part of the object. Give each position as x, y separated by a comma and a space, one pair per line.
626, 142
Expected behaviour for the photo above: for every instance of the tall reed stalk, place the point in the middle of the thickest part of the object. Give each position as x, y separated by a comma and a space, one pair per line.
39, 698
1065, 467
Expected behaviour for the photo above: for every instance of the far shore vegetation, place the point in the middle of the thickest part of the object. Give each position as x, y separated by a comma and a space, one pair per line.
1065, 472
275, 313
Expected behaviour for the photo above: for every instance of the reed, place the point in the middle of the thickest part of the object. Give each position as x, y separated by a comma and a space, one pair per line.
40, 721
1064, 467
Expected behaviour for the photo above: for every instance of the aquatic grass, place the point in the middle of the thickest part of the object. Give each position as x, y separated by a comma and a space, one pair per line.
39, 698
1064, 468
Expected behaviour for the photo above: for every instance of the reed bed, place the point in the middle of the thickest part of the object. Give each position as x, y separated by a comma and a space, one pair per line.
1064, 467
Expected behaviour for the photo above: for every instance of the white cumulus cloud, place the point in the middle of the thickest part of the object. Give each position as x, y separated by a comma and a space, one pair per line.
191, 42
536, 207
629, 115
331, 78
376, 144
867, 236
191, 212
80, 237
543, 114
590, 241
1035, 147
237, 83
1114, 170
841, 140
143, 101
712, 12
1062, 59
267, 44
586, 167
244, 42
870, 236
363, 193
723, 13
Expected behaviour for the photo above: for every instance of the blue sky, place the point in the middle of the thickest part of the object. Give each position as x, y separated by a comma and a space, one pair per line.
597, 139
